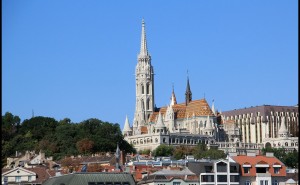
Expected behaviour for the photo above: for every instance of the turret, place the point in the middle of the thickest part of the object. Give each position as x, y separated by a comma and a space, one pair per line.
127, 131
173, 97
283, 132
208, 130
160, 126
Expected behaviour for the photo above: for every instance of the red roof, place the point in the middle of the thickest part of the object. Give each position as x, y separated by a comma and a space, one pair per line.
259, 159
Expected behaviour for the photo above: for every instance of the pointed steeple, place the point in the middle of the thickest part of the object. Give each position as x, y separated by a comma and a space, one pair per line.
117, 154
126, 126
213, 107
173, 97
188, 92
144, 49
160, 122
208, 124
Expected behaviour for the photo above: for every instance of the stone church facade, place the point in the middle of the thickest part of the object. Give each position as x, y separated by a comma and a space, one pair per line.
268, 125
186, 123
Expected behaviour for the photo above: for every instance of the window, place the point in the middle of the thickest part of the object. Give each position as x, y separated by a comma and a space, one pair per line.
261, 170
246, 170
222, 178
91, 183
276, 170
234, 178
233, 169
247, 182
142, 89
176, 183
275, 182
100, 183
18, 178
266, 182
221, 167
208, 169
147, 88
29, 178
261, 182
147, 104
207, 178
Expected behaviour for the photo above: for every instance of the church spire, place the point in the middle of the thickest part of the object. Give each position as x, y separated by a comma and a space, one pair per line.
126, 128
188, 93
144, 49
173, 97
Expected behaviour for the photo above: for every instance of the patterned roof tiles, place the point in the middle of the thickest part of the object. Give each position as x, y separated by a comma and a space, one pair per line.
196, 107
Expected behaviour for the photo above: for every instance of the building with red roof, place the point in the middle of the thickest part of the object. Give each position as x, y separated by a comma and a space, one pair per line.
259, 169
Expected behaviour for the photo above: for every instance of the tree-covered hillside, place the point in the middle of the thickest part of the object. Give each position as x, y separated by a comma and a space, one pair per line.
59, 138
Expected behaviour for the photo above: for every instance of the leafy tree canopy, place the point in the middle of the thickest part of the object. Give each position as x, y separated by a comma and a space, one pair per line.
60, 138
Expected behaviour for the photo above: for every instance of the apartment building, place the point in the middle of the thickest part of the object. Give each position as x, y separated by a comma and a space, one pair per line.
260, 170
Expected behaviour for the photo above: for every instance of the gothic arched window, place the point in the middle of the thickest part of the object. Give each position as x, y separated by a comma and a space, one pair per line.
147, 104
147, 88
142, 86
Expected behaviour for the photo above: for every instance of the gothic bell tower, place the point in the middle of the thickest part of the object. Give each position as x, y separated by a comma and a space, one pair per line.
144, 78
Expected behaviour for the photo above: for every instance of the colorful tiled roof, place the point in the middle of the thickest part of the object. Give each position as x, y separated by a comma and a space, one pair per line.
196, 107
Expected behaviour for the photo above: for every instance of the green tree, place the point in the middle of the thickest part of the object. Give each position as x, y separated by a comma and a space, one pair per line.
291, 159
145, 151
85, 146
214, 154
163, 150
10, 126
39, 126
65, 138
199, 150
180, 152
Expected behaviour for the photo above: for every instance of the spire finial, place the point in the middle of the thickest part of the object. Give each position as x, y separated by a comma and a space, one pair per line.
172, 87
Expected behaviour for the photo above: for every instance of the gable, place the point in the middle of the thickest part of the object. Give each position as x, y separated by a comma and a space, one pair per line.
18, 172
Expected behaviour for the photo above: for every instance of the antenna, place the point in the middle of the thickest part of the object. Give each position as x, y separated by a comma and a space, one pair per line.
32, 113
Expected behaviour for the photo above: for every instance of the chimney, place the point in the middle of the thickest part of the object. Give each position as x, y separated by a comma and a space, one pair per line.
122, 158
251, 153
269, 154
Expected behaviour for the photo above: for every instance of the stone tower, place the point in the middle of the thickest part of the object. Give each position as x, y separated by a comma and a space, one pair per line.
144, 78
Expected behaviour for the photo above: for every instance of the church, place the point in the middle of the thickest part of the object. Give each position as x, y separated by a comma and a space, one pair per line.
186, 123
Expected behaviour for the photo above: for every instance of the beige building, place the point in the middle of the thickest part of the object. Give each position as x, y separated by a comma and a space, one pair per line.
268, 125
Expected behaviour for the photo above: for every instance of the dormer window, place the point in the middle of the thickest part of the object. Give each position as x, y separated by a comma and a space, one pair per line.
246, 169
276, 170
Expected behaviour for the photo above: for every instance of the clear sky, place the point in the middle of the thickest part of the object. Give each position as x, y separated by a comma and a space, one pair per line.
76, 58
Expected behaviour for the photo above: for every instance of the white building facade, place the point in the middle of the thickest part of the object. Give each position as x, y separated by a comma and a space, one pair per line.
185, 123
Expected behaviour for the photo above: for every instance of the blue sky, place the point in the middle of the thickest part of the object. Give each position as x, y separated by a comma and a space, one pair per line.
76, 59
